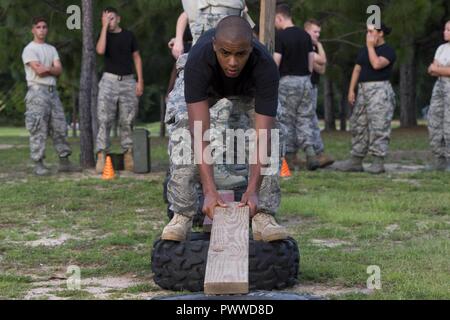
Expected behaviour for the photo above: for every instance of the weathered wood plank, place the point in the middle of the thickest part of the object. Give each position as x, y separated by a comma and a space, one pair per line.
267, 24
227, 265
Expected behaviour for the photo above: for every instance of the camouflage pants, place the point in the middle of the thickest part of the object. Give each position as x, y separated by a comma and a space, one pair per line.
116, 96
184, 175
317, 139
371, 119
206, 20
439, 119
298, 112
45, 115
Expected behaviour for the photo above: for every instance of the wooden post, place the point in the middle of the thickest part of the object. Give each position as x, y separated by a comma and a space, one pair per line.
267, 24
227, 264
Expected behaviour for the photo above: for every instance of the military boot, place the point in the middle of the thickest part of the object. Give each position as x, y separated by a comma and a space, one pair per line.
100, 165
438, 164
128, 161
40, 169
225, 180
354, 164
266, 229
66, 166
377, 167
177, 229
324, 160
312, 163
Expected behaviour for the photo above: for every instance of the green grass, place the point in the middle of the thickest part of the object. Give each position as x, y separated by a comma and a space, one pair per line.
399, 222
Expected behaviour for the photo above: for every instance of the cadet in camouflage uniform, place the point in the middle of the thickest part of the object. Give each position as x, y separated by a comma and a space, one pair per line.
118, 88
44, 112
295, 56
203, 76
439, 113
374, 106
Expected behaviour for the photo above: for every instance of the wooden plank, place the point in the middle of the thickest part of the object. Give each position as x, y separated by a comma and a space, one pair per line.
227, 264
267, 24
227, 196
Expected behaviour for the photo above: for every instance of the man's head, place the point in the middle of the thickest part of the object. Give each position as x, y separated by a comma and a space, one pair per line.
39, 29
447, 31
314, 28
114, 18
379, 34
283, 16
233, 45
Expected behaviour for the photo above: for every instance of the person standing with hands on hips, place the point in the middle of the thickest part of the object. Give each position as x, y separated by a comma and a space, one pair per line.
118, 87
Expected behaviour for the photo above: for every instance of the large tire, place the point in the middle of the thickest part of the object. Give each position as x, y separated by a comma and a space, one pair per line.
180, 266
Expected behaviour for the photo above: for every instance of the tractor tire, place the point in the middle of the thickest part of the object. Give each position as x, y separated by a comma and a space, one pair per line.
181, 266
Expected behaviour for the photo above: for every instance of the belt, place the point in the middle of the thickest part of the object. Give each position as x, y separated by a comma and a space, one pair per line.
42, 86
113, 76
222, 10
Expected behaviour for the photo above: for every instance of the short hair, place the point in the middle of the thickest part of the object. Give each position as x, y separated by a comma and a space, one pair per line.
112, 10
284, 10
386, 30
36, 20
234, 28
312, 22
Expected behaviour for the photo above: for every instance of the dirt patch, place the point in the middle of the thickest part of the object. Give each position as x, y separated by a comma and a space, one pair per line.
329, 243
409, 156
50, 242
99, 288
327, 291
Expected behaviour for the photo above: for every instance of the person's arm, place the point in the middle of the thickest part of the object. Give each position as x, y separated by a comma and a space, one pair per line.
320, 60
263, 124
437, 70
178, 47
140, 76
43, 71
101, 43
376, 61
277, 57
199, 112
353, 83
311, 61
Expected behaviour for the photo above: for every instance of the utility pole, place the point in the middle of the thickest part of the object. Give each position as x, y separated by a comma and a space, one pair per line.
267, 24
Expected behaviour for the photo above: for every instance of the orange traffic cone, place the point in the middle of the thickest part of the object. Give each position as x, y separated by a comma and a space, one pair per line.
108, 171
285, 172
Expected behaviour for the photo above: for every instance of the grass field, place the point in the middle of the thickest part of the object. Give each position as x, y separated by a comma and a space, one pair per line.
344, 223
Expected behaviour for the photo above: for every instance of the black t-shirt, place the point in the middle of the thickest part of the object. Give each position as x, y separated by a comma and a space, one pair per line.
205, 79
294, 44
368, 73
119, 52
315, 77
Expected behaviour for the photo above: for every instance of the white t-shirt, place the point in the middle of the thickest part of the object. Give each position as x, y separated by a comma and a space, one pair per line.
191, 8
43, 53
443, 55
235, 4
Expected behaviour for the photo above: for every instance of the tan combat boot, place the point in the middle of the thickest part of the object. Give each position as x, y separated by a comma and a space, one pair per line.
100, 165
177, 229
324, 160
266, 229
128, 160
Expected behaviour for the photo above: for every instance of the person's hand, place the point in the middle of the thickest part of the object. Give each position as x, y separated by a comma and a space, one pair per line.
251, 200
106, 19
211, 201
139, 88
178, 49
171, 43
352, 98
371, 40
41, 70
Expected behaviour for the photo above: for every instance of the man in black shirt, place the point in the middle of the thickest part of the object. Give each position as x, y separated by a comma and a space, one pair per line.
374, 106
226, 62
295, 56
118, 87
314, 28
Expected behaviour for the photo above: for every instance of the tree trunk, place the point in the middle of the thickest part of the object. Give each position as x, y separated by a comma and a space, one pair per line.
94, 97
408, 116
330, 124
74, 114
162, 110
267, 24
87, 65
